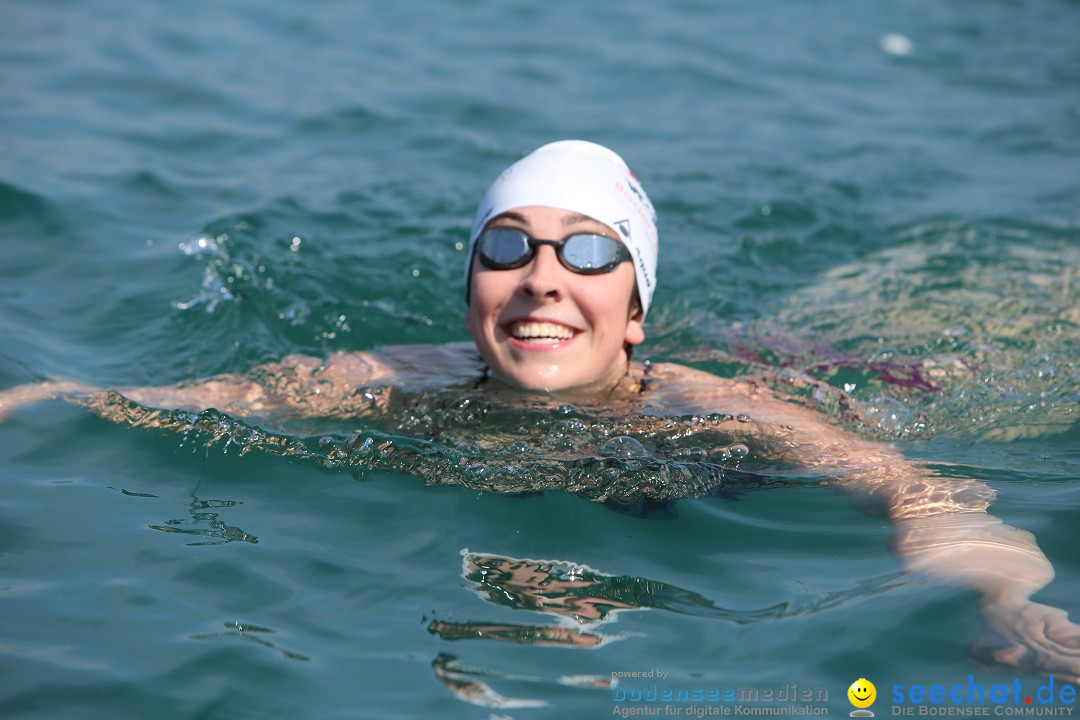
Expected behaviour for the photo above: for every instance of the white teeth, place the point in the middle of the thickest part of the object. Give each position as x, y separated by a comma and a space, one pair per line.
540, 331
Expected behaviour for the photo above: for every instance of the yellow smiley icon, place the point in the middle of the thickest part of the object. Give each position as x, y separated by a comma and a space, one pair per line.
862, 693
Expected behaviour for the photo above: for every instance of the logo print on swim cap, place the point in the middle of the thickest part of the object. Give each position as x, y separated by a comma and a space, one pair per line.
862, 695
624, 227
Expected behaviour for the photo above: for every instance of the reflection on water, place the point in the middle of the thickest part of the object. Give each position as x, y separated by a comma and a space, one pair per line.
207, 524
470, 685
563, 590
239, 632
577, 601
202, 521
582, 599
579, 597
199, 521
566, 589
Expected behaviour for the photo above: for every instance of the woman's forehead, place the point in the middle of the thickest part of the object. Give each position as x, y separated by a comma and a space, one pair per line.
532, 215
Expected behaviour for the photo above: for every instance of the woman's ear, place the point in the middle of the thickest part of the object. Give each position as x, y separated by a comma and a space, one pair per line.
635, 325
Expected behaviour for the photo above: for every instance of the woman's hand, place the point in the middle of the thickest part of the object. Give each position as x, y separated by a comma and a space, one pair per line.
1030, 636
1006, 567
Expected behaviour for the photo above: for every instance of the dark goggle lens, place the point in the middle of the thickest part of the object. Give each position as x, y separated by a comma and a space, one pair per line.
587, 253
503, 249
592, 253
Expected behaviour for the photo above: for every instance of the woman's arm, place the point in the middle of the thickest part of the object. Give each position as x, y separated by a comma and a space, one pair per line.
940, 526
22, 395
941, 530
298, 385
231, 393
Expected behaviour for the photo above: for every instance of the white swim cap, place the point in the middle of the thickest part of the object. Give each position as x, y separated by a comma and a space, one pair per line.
581, 177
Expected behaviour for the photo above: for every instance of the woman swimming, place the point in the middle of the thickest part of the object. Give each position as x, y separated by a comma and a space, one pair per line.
560, 276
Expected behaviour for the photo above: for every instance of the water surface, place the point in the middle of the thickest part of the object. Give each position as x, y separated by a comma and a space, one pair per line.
192, 190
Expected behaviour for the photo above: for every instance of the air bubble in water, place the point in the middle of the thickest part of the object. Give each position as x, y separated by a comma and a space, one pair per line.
719, 455
738, 450
569, 426
690, 455
889, 414
624, 447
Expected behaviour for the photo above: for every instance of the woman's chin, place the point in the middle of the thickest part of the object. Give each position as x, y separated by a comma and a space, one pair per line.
536, 381
558, 379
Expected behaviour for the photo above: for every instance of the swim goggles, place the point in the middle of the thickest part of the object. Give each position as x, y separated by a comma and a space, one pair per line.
501, 248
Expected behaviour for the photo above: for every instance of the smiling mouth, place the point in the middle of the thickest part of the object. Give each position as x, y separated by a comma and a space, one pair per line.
539, 332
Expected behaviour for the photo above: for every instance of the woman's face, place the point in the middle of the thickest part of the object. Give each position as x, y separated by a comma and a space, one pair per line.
543, 327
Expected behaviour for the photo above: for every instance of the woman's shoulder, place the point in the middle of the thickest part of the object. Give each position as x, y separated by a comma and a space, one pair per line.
671, 376
413, 365
675, 388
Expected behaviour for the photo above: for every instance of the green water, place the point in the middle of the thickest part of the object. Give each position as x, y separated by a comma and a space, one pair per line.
902, 227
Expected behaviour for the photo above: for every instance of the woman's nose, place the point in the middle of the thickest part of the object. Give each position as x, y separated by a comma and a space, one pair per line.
546, 277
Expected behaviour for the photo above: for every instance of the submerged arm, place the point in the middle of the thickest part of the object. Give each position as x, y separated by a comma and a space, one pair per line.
231, 393
941, 529
298, 385
940, 525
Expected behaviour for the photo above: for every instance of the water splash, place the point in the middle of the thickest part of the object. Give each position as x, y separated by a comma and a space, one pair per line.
213, 288
216, 276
